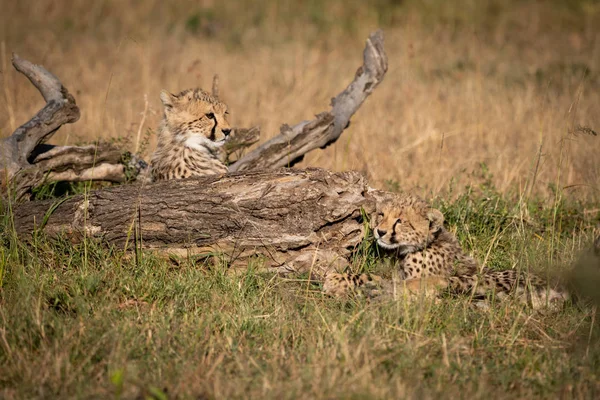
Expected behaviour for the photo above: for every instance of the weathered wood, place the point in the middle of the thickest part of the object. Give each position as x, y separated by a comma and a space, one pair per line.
26, 162
60, 109
102, 162
291, 219
290, 146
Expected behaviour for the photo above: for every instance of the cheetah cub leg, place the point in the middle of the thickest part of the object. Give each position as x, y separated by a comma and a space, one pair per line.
372, 286
345, 284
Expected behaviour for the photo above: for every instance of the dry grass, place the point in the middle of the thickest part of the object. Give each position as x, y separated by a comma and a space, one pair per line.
511, 84
82, 322
498, 86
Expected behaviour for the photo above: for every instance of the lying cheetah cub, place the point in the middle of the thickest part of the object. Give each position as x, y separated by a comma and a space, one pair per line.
430, 259
193, 130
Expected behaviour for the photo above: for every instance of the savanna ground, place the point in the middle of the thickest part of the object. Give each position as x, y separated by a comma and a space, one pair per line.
488, 110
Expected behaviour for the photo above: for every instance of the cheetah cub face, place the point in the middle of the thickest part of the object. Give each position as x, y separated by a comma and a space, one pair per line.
197, 119
407, 226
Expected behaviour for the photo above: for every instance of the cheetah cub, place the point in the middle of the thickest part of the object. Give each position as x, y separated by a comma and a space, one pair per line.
430, 260
191, 134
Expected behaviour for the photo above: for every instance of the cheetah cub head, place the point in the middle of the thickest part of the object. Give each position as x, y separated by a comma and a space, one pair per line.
407, 225
195, 118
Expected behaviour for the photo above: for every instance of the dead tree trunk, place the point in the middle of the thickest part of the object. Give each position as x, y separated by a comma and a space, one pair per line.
26, 162
289, 219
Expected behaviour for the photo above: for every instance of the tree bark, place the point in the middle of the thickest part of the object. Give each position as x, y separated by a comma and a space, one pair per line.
290, 220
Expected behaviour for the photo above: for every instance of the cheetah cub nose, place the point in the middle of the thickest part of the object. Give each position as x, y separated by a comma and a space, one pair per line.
380, 232
226, 132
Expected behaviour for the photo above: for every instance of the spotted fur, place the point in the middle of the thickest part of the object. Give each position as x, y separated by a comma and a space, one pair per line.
430, 259
191, 134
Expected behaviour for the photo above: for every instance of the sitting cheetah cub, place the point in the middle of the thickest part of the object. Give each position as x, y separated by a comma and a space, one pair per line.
430, 260
193, 130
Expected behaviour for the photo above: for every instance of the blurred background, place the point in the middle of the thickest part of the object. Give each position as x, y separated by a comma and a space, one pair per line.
502, 91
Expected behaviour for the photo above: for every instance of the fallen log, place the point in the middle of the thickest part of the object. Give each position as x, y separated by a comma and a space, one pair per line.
289, 220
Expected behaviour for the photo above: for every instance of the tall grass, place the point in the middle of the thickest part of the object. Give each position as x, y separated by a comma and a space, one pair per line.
489, 110
85, 321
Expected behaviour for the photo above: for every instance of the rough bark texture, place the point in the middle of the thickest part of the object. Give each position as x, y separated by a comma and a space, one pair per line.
293, 143
291, 219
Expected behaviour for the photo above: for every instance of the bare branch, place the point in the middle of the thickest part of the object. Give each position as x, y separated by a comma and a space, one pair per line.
60, 109
26, 161
101, 162
293, 143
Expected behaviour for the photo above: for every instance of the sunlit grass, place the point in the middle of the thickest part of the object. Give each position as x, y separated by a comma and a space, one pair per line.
488, 110
98, 323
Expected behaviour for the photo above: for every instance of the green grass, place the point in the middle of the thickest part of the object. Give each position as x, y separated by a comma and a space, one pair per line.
92, 323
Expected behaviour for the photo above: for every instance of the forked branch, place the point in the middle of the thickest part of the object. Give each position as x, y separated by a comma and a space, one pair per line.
26, 161
60, 109
290, 146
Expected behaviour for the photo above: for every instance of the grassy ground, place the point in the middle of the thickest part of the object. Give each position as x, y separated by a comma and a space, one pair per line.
488, 110
85, 321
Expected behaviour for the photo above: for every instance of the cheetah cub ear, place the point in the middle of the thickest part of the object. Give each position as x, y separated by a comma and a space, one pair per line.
436, 220
167, 98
